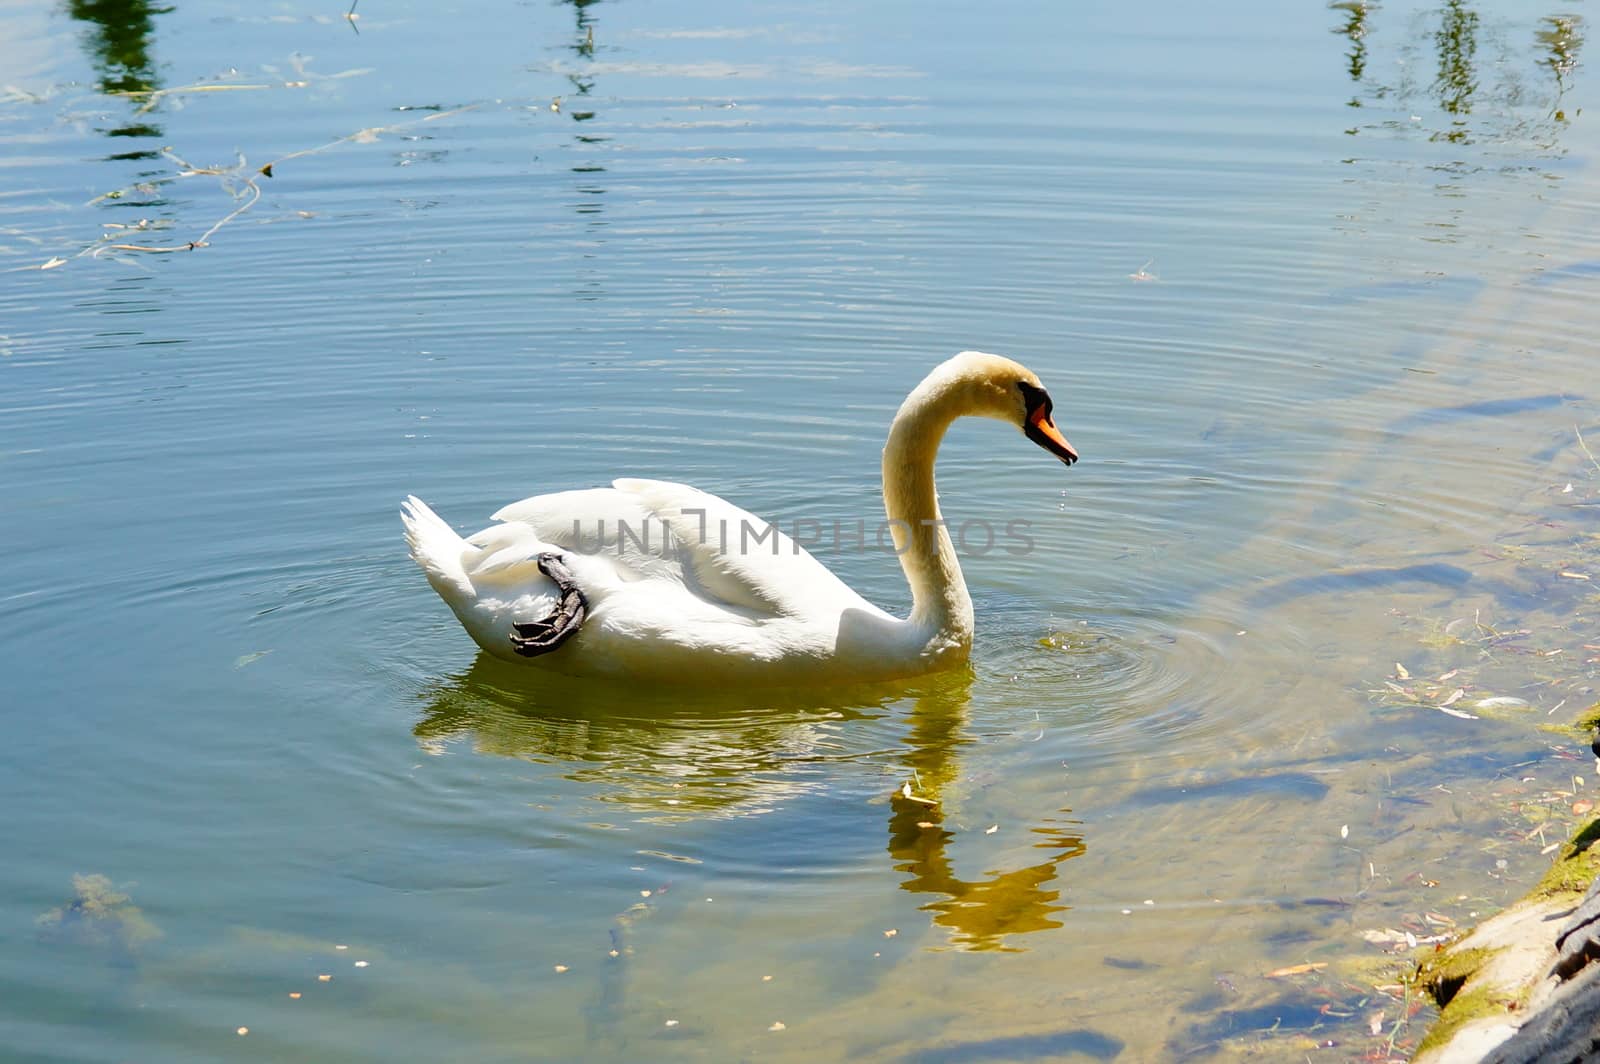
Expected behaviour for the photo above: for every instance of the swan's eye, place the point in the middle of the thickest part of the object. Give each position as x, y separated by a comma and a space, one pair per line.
1035, 400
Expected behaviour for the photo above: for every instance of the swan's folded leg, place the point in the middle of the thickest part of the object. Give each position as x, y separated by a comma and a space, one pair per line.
532, 638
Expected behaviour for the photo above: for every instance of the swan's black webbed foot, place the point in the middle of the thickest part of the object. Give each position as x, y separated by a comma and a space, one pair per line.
532, 638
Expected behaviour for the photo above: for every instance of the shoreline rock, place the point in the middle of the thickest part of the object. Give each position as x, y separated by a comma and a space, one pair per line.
1522, 986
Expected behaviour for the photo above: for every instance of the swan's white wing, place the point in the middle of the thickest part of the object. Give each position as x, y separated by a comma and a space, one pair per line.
605, 524
739, 556
502, 555
658, 530
567, 518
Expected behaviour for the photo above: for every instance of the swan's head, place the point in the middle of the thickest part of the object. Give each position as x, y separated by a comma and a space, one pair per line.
992, 386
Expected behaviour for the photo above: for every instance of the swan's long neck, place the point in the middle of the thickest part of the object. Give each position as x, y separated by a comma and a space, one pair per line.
940, 603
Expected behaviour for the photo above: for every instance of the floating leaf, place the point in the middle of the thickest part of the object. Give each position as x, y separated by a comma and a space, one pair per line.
1499, 702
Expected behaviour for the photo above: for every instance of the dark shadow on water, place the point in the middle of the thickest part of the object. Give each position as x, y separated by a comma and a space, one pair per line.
1571, 271
1129, 964
1454, 289
1435, 574
1069, 1044
1285, 1014
1485, 408
1293, 785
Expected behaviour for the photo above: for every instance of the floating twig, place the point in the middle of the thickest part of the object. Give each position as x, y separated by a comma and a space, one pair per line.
152, 97
1595, 462
205, 237
253, 189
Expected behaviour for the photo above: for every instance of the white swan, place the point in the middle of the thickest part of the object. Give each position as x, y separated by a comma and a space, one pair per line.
653, 580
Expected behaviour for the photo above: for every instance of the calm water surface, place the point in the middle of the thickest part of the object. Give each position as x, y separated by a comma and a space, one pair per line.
1313, 288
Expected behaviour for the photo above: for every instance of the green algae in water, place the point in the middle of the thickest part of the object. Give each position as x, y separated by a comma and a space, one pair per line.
1575, 867
98, 915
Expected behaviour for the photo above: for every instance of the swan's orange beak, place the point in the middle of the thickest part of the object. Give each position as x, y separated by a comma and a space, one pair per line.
1041, 430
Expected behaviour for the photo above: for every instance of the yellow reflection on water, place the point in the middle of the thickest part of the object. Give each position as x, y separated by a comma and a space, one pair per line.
980, 912
666, 756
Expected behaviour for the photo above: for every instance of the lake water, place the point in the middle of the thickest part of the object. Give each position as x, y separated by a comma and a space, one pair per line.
1313, 288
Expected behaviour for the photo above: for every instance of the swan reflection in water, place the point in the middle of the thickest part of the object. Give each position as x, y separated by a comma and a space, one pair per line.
980, 913
667, 757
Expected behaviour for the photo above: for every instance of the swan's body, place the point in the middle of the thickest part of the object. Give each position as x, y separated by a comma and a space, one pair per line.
653, 580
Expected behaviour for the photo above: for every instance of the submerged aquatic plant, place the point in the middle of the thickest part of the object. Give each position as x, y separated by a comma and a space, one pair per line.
98, 915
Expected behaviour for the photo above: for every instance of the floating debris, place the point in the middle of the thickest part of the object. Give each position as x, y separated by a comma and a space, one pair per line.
241, 1032
778, 1025
1296, 969
1499, 702
562, 969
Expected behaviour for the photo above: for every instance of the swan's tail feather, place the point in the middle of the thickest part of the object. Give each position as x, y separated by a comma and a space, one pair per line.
435, 546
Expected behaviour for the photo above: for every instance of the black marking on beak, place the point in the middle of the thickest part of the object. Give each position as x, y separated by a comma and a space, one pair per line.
1038, 426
